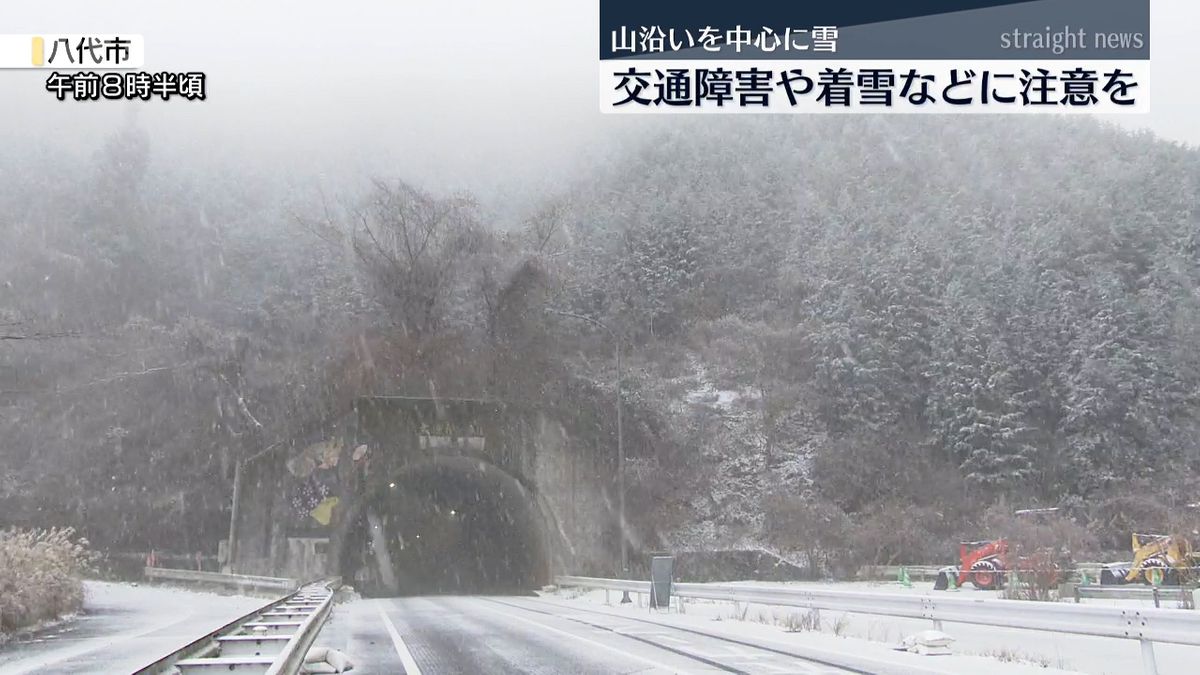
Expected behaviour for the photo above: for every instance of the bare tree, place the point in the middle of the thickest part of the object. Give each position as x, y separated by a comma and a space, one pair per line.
413, 246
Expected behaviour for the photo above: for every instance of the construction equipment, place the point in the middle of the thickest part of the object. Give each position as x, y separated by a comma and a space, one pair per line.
987, 564
1162, 559
983, 563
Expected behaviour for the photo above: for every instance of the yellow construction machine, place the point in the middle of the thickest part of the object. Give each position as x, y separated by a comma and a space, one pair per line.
1163, 559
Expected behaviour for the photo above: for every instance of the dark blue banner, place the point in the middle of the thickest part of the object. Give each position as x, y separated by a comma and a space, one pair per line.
876, 29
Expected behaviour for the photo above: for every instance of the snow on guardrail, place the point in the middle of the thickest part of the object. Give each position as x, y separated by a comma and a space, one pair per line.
239, 581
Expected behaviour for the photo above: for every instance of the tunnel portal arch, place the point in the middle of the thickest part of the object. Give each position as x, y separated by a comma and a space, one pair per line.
450, 524
306, 503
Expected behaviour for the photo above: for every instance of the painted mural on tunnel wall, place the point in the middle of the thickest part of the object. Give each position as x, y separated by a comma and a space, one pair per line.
313, 493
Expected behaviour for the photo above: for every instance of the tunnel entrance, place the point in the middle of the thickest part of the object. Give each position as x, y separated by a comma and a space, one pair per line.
453, 525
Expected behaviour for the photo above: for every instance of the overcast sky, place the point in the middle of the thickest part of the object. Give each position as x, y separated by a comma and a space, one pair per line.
456, 91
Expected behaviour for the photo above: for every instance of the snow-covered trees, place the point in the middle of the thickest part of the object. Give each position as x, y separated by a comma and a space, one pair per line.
1022, 322
887, 311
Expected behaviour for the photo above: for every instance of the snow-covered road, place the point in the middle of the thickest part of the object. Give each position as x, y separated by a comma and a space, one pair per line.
125, 627
122, 628
556, 634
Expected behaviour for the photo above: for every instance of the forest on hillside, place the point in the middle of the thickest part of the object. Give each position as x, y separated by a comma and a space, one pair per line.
866, 334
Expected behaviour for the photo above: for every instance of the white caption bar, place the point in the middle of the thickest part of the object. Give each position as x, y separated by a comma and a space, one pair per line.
629, 86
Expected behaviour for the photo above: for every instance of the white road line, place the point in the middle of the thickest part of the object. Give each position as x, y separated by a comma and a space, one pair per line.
406, 658
775, 668
742, 652
615, 650
661, 635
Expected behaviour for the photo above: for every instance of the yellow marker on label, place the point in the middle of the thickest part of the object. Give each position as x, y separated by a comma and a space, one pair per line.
39, 51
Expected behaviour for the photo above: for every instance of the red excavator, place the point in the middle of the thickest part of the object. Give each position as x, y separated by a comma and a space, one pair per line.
983, 563
987, 564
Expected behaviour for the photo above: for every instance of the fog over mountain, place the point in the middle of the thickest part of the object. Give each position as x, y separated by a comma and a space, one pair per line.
857, 317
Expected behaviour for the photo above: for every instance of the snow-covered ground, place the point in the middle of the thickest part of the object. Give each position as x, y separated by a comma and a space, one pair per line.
926, 587
555, 634
121, 629
1045, 652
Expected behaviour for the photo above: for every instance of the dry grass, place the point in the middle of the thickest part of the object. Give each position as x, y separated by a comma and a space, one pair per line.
40, 575
838, 626
1186, 601
791, 621
878, 631
1007, 655
796, 622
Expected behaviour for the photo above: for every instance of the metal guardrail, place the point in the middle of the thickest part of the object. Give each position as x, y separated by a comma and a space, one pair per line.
1156, 593
1145, 625
272, 640
1092, 569
893, 571
291, 658
240, 581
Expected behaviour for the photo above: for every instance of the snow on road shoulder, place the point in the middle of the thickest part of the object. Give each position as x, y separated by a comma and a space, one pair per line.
123, 627
161, 597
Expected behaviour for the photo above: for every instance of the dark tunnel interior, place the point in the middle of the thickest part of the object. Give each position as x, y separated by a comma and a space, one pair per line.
452, 527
